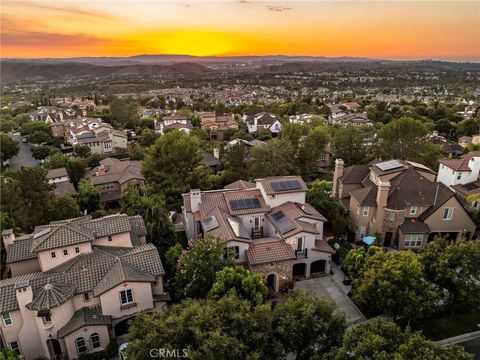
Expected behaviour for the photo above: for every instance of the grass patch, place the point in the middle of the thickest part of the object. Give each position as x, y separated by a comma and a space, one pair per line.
448, 326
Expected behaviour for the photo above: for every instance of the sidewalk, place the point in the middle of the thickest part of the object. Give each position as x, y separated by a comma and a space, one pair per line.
338, 277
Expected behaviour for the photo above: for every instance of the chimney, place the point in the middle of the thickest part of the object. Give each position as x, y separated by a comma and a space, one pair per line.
337, 174
8, 238
195, 199
28, 335
382, 193
100, 171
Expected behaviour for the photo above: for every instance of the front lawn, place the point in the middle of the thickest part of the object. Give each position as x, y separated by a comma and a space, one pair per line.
449, 326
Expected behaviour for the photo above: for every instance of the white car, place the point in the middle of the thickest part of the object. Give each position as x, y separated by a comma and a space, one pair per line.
121, 351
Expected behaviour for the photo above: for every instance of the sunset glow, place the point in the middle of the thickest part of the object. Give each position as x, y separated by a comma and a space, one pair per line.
376, 29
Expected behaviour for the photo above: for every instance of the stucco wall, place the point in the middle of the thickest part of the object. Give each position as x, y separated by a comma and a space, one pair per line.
142, 296
47, 262
120, 240
242, 249
79, 303
24, 267
86, 332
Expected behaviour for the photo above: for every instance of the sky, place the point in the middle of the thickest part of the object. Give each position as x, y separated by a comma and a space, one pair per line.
402, 29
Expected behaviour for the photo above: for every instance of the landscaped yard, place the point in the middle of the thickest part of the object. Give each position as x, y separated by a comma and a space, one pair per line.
446, 327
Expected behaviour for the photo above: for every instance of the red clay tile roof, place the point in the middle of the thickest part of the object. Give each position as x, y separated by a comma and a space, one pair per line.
269, 250
240, 185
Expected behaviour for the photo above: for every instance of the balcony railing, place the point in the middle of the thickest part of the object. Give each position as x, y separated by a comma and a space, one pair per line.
257, 233
301, 254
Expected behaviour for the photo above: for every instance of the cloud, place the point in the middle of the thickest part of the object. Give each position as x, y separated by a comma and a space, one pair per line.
276, 8
64, 10
244, 2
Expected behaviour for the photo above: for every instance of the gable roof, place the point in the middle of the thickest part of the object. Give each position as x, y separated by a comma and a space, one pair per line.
269, 250
460, 164
86, 316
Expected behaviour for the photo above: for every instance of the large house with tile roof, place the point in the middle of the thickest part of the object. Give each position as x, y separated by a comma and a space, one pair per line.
262, 121
75, 284
400, 200
266, 226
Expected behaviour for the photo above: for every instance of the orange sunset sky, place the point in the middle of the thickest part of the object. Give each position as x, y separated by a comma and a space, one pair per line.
404, 29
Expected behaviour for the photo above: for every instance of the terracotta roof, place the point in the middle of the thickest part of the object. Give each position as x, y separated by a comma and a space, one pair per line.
460, 164
322, 245
267, 184
269, 250
86, 316
225, 230
245, 194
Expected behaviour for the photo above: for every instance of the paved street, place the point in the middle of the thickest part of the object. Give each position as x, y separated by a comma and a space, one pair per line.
24, 157
326, 287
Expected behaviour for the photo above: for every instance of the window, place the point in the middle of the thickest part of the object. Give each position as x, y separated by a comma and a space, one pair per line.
15, 347
65, 252
95, 340
231, 252
109, 237
47, 319
81, 345
86, 297
413, 240
365, 210
323, 156
7, 319
448, 214
53, 255
413, 210
126, 296
459, 176
300, 244
362, 231
391, 215
77, 250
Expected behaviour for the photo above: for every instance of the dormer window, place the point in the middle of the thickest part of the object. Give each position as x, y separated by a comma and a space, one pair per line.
365, 210
53, 255
413, 210
65, 252
77, 250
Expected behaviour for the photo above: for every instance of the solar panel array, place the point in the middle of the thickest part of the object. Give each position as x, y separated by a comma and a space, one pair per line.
286, 185
470, 186
389, 165
241, 204
282, 222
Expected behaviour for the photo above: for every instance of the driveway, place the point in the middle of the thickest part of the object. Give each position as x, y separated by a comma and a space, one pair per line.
326, 287
24, 157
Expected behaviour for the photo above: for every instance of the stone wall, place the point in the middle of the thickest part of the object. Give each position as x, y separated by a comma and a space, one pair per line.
392, 225
282, 269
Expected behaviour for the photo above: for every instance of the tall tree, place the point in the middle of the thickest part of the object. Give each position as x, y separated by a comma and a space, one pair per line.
88, 197
124, 113
170, 162
310, 149
349, 146
76, 169
235, 165
8, 147
275, 158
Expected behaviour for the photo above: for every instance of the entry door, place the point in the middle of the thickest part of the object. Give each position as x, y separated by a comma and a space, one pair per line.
256, 224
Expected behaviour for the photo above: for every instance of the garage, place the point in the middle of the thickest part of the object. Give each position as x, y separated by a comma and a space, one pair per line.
318, 266
299, 270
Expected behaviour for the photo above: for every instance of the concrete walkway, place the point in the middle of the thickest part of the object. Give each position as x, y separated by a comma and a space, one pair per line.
326, 287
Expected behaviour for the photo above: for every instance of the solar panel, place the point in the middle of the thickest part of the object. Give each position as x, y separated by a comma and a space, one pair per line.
209, 223
470, 186
286, 185
282, 223
241, 204
389, 165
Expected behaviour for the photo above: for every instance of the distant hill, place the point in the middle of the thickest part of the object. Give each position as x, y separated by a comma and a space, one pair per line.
12, 71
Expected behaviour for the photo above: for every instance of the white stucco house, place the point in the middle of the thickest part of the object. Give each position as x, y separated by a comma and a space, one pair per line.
262, 121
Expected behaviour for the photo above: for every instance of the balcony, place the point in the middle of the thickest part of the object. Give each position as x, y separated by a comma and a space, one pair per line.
257, 233
301, 254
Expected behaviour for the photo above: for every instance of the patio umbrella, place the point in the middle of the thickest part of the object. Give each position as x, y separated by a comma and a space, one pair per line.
369, 240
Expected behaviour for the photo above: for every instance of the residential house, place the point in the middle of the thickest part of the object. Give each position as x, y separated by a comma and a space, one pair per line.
61, 181
351, 119
248, 145
464, 141
173, 123
217, 125
75, 285
450, 149
304, 118
262, 121
352, 106
462, 176
401, 201
266, 225
114, 175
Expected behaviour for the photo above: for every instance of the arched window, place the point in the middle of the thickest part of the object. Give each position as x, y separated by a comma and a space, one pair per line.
81, 345
95, 340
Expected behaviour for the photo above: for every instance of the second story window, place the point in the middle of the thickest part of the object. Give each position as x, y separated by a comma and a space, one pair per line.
47, 319
86, 297
413, 210
126, 296
459, 176
109, 237
365, 210
77, 250
448, 213
15, 348
65, 252
80, 345
300, 244
7, 319
53, 255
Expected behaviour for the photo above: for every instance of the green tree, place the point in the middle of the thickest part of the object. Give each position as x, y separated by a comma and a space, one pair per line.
310, 149
453, 268
151, 207
227, 329
305, 324
55, 160
148, 137
135, 151
169, 164
293, 133
29, 128
41, 152
240, 282
7, 354
380, 339
275, 158
76, 170
8, 147
197, 266
171, 257
349, 146
81, 151
390, 283
64, 207
88, 197
124, 113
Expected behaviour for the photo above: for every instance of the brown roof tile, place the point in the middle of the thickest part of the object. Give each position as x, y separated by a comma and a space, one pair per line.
269, 250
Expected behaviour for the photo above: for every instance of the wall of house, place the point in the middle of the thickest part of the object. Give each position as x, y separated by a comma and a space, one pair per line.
28, 336
79, 303
47, 262
318, 225
242, 249
142, 296
119, 142
86, 332
357, 214
157, 288
281, 269
11, 333
248, 222
401, 241
95, 147
448, 176
312, 256
119, 240
24, 267
276, 127
460, 222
